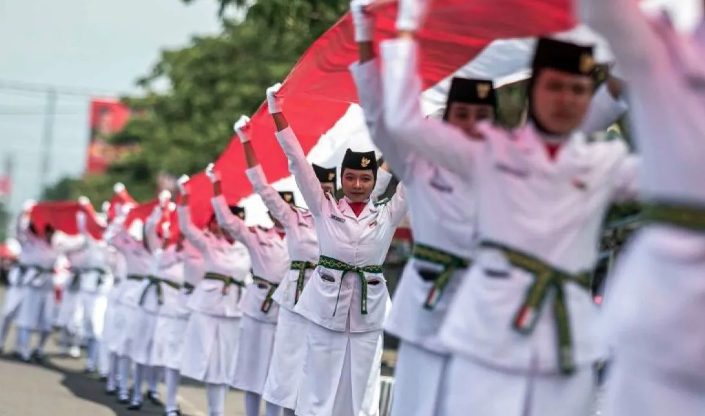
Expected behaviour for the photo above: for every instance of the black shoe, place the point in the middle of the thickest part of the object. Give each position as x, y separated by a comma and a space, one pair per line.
38, 357
153, 397
111, 392
176, 412
135, 406
123, 399
103, 378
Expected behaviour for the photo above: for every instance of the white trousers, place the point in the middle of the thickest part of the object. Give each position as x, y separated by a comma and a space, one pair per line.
418, 381
473, 388
341, 373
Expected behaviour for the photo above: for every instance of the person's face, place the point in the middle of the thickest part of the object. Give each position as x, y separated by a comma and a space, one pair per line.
358, 184
560, 100
328, 187
466, 116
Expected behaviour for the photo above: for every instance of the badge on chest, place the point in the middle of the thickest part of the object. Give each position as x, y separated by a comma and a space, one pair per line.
337, 218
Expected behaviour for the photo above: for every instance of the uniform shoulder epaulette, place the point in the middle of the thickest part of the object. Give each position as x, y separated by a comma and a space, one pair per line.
382, 201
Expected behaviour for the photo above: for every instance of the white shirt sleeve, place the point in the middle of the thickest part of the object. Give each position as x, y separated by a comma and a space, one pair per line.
231, 223
626, 178
150, 229
271, 198
368, 81
604, 111
635, 45
303, 172
398, 206
190, 231
439, 142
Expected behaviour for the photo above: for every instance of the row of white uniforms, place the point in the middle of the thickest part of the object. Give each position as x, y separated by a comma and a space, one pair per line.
159, 325
341, 373
654, 304
270, 263
36, 310
213, 329
85, 293
443, 220
17, 276
549, 211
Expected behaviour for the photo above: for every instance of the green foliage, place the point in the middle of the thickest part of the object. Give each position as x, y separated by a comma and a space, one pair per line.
211, 82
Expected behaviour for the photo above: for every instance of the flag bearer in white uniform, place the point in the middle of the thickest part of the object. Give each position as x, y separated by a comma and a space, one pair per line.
270, 263
36, 310
161, 284
94, 283
654, 307
286, 368
70, 312
164, 295
138, 261
346, 299
521, 327
443, 222
115, 263
15, 291
213, 329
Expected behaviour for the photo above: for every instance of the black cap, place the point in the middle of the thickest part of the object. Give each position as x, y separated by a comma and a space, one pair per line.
325, 175
563, 56
472, 91
360, 161
287, 196
237, 210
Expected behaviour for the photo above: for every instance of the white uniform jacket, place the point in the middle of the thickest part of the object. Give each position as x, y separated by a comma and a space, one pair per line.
301, 239
654, 305
212, 297
270, 262
332, 295
550, 210
138, 261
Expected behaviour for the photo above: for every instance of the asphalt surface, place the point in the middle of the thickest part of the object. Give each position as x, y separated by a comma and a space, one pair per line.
60, 387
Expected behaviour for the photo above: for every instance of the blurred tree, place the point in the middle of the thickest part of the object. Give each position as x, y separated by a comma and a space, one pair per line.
210, 83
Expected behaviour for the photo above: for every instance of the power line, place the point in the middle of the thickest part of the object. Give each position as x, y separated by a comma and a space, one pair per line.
40, 88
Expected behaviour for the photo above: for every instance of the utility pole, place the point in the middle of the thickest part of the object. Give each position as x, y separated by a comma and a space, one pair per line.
47, 138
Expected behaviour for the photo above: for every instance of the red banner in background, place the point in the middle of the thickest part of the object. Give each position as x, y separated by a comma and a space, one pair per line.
62, 216
319, 89
107, 117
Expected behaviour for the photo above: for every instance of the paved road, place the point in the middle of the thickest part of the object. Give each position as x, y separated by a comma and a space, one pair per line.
60, 388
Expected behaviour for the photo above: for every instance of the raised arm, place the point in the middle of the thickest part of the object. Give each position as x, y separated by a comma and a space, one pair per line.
150, 229
303, 172
368, 82
194, 235
439, 142
271, 198
398, 206
384, 177
231, 223
629, 32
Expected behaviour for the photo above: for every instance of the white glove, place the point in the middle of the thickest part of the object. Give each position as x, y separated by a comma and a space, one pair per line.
164, 197
275, 106
28, 205
83, 200
181, 184
171, 207
239, 125
212, 174
411, 14
118, 188
125, 209
362, 21
105, 207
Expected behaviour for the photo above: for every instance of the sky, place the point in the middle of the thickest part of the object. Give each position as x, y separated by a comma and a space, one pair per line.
89, 47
